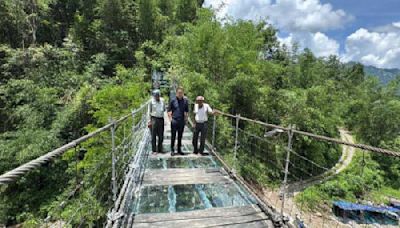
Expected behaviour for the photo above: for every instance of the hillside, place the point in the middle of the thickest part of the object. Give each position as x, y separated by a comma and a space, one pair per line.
385, 75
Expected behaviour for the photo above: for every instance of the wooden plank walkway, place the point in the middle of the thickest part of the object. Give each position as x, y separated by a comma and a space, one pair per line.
246, 216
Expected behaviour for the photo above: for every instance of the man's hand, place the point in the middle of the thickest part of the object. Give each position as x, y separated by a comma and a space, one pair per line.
170, 116
216, 112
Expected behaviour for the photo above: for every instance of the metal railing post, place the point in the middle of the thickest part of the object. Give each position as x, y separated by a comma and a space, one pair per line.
236, 143
213, 131
284, 185
114, 173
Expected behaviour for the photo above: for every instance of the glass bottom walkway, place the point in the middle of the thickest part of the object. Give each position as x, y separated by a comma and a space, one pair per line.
192, 191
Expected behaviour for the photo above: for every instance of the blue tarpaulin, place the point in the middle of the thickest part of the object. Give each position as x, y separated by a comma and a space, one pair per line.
395, 204
360, 207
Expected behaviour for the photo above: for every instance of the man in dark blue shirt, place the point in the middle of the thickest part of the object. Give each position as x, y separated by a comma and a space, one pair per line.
178, 110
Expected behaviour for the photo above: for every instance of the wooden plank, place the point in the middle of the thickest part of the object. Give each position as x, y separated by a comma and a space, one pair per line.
218, 212
194, 171
209, 180
256, 220
247, 216
158, 177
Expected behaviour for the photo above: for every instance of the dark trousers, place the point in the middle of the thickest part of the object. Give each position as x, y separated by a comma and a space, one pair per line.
157, 130
177, 127
201, 128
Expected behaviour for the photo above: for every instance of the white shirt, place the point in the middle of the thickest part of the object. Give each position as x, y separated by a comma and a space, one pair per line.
157, 108
202, 113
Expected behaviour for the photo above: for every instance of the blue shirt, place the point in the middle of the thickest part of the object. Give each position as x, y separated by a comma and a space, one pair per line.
178, 107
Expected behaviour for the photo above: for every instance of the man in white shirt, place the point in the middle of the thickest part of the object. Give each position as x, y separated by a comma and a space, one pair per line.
201, 111
157, 109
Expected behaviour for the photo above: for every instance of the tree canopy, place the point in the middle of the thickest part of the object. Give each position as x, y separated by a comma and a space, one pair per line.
66, 66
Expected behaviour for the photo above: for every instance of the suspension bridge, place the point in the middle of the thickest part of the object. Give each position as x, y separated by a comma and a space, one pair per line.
147, 190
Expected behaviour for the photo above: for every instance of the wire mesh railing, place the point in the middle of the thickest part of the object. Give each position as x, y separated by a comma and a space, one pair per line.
91, 172
279, 162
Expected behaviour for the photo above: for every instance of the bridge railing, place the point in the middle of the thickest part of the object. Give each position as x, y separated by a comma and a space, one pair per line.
92, 171
275, 162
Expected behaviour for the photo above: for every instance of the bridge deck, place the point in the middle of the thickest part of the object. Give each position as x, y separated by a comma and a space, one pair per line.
192, 191
245, 216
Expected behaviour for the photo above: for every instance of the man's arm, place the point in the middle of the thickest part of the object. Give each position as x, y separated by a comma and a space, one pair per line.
164, 106
186, 110
209, 109
169, 110
196, 108
150, 108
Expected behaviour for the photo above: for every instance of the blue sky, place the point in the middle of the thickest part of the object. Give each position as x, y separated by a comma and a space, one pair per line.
367, 31
367, 13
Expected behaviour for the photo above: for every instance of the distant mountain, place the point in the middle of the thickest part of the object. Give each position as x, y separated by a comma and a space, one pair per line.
384, 75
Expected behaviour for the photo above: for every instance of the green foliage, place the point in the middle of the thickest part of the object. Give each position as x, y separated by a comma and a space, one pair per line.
67, 66
114, 100
362, 181
186, 11
147, 20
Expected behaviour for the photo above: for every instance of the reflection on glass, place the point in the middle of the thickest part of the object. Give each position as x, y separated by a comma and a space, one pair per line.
178, 198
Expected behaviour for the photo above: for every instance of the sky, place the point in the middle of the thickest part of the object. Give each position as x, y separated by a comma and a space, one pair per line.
366, 31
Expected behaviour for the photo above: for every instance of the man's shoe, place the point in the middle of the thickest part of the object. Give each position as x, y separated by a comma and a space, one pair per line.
204, 154
181, 153
154, 152
195, 152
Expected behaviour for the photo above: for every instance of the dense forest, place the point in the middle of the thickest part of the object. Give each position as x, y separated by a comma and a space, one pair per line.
66, 66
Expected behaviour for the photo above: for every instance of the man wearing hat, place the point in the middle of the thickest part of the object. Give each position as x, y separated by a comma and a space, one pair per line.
201, 111
157, 109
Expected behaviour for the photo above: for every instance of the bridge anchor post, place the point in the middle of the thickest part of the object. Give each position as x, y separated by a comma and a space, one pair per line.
113, 172
213, 131
284, 184
236, 144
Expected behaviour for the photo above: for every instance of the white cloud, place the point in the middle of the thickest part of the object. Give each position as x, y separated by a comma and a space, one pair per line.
380, 49
304, 20
289, 15
320, 44
396, 24
393, 27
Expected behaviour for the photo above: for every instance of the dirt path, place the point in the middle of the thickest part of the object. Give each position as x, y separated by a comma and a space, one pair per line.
348, 152
314, 219
341, 165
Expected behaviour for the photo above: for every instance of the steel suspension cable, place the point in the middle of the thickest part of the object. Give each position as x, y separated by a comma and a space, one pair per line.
319, 137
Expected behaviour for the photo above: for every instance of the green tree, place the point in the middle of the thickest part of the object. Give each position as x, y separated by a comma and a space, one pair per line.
167, 8
186, 10
147, 18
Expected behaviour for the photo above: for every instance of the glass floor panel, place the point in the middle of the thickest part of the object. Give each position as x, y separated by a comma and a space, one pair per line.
154, 199
178, 198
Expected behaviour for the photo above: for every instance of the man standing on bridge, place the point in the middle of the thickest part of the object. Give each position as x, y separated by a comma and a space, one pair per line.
178, 110
157, 109
201, 111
